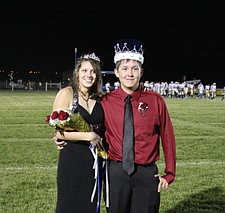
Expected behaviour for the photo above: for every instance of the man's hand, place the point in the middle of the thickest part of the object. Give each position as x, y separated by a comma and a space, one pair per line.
162, 183
59, 144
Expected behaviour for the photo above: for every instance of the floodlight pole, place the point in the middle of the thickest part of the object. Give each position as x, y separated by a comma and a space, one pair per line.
75, 57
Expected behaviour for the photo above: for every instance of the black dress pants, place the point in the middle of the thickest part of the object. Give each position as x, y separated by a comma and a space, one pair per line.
133, 194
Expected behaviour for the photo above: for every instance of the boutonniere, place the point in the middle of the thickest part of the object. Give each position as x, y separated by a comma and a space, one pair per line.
142, 107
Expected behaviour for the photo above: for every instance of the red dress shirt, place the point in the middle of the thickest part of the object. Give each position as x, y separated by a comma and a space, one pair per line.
148, 130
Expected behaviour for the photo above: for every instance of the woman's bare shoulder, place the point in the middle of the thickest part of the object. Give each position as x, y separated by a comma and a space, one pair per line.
63, 98
66, 91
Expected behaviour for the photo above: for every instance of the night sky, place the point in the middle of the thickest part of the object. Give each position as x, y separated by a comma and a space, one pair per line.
181, 38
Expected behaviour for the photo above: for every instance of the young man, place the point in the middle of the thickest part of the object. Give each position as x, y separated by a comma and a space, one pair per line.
138, 190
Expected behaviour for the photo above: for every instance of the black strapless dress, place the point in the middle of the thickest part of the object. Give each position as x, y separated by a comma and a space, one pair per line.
75, 175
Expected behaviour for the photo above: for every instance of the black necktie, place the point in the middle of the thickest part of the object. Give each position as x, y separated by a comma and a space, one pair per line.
128, 138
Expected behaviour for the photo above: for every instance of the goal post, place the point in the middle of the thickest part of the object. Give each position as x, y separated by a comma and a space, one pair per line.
53, 86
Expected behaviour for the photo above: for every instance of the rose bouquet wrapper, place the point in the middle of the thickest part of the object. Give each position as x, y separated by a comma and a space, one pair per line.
75, 123
72, 121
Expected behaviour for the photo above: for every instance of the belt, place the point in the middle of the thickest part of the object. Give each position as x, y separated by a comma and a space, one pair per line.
144, 165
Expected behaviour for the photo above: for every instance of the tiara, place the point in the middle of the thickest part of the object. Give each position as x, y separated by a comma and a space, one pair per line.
135, 52
91, 56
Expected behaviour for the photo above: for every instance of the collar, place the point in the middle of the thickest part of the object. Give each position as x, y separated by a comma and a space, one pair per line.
135, 94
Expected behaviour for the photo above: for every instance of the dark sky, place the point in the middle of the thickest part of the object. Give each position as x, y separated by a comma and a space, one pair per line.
180, 37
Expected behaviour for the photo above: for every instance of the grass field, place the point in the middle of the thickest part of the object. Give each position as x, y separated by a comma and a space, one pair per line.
29, 157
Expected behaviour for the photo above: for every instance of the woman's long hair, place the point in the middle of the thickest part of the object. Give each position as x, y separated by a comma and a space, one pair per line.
96, 90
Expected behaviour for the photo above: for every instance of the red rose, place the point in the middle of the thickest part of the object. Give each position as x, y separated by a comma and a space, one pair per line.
54, 115
63, 115
48, 118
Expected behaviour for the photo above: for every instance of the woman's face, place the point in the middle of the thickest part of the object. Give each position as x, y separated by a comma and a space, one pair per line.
86, 75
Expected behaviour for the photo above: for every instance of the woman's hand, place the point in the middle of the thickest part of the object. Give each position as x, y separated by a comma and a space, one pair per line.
162, 183
59, 135
59, 141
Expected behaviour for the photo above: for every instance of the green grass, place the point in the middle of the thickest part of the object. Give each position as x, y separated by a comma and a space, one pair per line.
29, 157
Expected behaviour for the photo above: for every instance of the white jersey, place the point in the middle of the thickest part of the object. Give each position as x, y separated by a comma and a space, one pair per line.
213, 88
207, 88
116, 84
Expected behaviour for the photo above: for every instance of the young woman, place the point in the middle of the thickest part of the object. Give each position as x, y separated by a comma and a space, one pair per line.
75, 178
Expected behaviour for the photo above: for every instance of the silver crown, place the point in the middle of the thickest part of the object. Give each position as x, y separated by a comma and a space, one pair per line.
91, 56
126, 49
126, 53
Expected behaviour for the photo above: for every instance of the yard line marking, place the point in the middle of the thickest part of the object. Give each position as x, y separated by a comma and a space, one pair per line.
160, 164
200, 163
28, 168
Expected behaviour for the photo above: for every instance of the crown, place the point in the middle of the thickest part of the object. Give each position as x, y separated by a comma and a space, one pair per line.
91, 56
129, 49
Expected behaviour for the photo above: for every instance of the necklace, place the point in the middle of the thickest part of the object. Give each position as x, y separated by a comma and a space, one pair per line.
86, 100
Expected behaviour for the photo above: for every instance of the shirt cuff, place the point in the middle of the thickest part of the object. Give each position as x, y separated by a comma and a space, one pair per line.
169, 178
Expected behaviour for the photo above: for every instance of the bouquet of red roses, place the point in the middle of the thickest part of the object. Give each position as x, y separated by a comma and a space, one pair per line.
68, 120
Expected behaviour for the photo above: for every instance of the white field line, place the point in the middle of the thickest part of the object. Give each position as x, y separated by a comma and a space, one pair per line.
28, 168
55, 167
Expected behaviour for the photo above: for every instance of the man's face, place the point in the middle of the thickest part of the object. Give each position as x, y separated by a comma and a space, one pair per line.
129, 73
